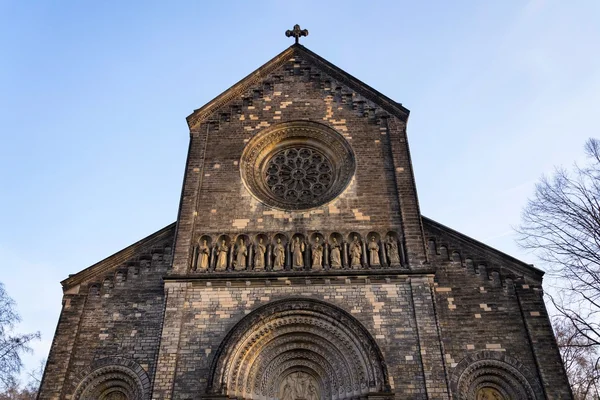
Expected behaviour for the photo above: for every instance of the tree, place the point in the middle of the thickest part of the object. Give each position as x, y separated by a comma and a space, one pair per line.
561, 225
580, 360
12, 344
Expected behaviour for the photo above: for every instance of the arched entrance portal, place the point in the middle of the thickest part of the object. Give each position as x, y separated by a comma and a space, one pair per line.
298, 349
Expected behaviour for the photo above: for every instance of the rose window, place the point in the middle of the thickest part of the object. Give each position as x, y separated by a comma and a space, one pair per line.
299, 175
297, 165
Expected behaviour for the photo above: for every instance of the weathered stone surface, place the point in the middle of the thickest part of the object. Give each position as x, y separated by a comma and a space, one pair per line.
441, 317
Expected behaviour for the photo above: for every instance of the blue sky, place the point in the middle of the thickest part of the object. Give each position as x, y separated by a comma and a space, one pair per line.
94, 95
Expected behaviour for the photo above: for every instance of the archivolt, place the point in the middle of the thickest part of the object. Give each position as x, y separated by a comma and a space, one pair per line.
298, 335
113, 378
494, 370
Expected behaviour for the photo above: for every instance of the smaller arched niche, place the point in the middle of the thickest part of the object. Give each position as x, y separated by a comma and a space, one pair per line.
298, 349
491, 375
113, 379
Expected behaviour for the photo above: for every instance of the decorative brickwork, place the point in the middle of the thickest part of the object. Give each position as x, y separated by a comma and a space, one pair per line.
300, 268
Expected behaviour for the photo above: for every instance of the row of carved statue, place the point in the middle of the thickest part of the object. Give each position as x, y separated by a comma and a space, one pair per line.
279, 254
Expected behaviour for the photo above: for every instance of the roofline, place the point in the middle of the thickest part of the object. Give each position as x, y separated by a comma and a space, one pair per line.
117, 258
462, 236
365, 90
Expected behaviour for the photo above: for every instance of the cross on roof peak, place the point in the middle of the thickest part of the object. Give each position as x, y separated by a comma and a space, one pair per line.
296, 32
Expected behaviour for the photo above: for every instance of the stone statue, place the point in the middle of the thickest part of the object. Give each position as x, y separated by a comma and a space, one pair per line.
240, 255
279, 252
392, 250
297, 253
259, 256
222, 251
336, 260
374, 252
355, 253
317, 254
204, 256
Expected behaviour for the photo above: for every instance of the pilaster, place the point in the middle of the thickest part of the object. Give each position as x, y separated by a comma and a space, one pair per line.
61, 351
190, 191
543, 343
434, 373
412, 225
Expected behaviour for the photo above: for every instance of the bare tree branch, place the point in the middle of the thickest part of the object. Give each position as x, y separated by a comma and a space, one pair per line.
561, 225
12, 344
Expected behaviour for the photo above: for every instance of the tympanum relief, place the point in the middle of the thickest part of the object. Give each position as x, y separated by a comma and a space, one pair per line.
489, 394
299, 386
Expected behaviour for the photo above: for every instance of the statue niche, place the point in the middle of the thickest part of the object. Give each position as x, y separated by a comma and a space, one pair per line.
259, 255
355, 252
297, 249
335, 253
203, 254
241, 255
299, 386
374, 252
222, 254
317, 254
278, 255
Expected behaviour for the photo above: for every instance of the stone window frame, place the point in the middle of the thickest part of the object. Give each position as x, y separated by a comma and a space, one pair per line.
262, 148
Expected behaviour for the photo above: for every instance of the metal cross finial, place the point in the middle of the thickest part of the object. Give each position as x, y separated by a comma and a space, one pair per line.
296, 32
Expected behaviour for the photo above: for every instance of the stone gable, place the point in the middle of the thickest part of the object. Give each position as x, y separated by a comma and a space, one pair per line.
300, 268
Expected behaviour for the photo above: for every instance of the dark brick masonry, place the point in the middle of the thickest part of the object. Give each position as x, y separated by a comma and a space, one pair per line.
456, 318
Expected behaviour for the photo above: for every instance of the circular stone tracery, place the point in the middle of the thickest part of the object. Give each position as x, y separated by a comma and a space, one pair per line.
297, 165
299, 174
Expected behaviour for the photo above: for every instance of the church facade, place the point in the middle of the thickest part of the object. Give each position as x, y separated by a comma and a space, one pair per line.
301, 268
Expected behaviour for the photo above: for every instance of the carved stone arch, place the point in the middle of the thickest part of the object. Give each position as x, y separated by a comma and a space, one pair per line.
329, 356
314, 339
494, 371
113, 378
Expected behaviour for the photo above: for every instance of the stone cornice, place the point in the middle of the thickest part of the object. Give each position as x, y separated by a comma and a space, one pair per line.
510, 262
118, 258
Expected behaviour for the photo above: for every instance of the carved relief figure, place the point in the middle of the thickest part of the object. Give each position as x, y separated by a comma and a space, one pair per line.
489, 394
279, 252
299, 386
288, 390
204, 254
317, 254
222, 251
374, 252
392, 250
240, 256
297, 252
336, 260
259, 256
355, 253
312, 393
